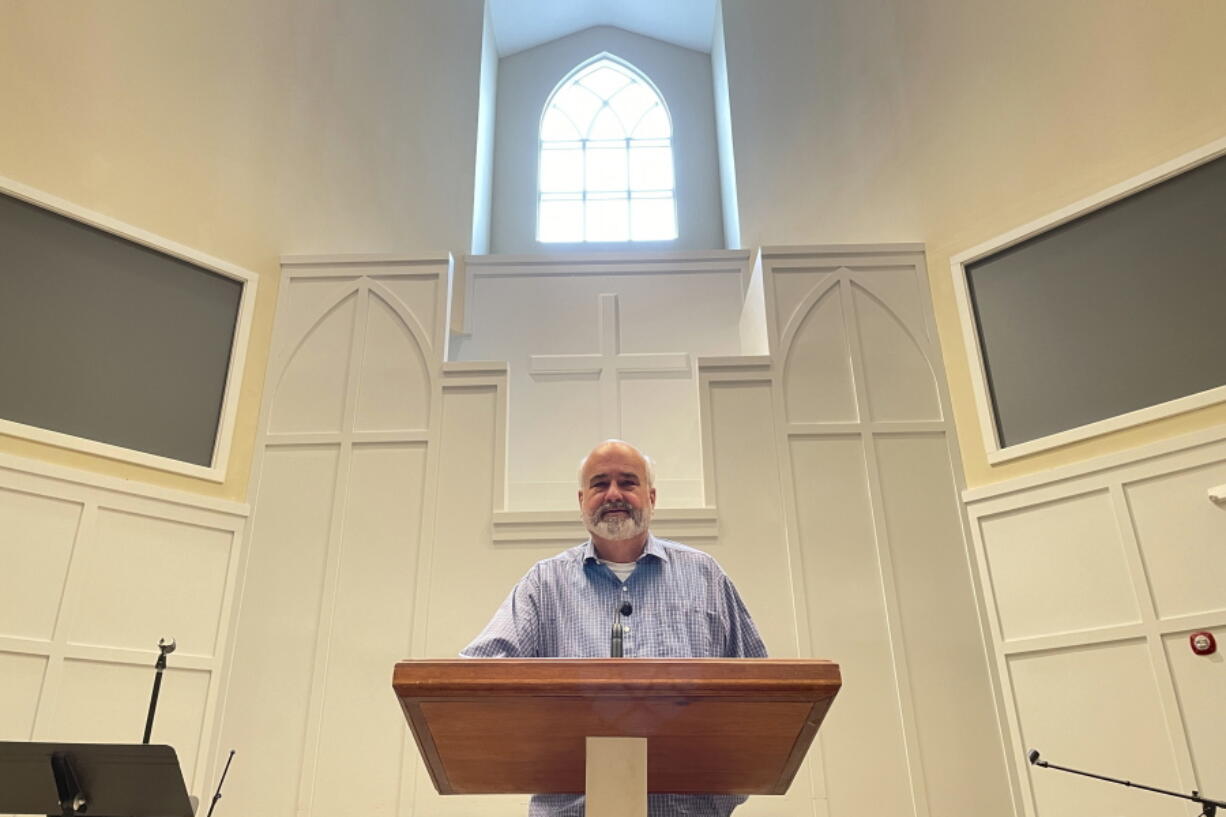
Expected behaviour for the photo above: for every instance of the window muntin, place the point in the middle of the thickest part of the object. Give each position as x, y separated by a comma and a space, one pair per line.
606, 159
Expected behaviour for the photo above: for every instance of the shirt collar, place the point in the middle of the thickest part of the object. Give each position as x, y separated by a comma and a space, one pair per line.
652, 548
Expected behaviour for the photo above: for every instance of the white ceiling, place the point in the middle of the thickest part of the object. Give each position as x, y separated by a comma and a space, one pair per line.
522, 24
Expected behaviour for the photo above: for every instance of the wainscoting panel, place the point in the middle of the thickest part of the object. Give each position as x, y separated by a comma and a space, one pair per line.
96, 571
1181, 538
1058, 568
881, 570
1069, 701
344, 498
1099, 573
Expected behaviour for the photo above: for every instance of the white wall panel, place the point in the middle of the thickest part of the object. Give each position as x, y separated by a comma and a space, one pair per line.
1199, 685
23, 680
862, 739
273, 658
1058, 568
935, 590
394, 392
1096, 707
312, 384
880, 554
898, 379
1101, 571
171, 576
540, 314
97, 571
817, 379
343, 500
1181, 536
107, 703
371, 626
39, 532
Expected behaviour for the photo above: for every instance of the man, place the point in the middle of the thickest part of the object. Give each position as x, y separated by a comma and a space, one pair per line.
681, 604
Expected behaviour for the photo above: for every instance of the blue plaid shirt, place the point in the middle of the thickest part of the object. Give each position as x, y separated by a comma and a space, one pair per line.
684, 606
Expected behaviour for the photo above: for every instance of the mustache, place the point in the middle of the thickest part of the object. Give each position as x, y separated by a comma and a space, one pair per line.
614, 506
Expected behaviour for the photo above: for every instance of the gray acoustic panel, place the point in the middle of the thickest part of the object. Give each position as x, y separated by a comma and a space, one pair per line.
109, 340
1117, 310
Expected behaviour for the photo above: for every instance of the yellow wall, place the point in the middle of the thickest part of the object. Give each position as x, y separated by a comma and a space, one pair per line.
246, 131
953, 121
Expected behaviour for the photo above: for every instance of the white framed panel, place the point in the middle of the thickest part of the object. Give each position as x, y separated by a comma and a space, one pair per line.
1097, 707
108, 568
215, 471
1058, 568
1147, 513
995, 450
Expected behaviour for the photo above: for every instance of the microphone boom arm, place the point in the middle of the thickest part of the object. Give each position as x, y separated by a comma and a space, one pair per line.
1211, 806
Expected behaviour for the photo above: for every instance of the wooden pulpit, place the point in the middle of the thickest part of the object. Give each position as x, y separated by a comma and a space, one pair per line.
695, 725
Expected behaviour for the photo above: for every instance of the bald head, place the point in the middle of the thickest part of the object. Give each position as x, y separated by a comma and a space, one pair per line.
618, 446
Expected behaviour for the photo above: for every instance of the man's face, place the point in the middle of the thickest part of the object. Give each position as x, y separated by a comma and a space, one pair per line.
614, 498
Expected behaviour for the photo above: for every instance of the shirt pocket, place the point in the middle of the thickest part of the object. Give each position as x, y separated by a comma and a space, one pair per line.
691, 632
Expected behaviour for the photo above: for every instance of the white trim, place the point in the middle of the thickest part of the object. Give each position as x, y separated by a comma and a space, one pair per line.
996, 453
223, 438
607, 263
73, 476
1119, 459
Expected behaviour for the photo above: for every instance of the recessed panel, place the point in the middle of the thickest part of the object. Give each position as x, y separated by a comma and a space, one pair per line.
152, 578
108, 703
1200, 684
23, 680
372, 620
1058, 567
275, 640
310, 394
1181, 534
1095, 708
556, 421
817, 379
660, 415
393, 383
898, 379
950, 686
419, 296
36, 536
790, 287
862, 739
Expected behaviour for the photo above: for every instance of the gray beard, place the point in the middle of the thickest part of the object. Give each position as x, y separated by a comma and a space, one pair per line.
618, 528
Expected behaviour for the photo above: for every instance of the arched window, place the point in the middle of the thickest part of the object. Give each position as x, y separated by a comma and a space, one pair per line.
606, 159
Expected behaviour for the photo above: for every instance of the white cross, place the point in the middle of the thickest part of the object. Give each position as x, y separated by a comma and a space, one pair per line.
609, 364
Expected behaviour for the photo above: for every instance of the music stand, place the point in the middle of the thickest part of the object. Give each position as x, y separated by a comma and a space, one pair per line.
97, 779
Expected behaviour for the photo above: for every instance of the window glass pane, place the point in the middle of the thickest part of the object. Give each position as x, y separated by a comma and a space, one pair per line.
654, 124
605, 79
606, 167
560, 220
651, 168
578, 103
607, 219
606, 133
632, 102
606, 125
561, 170
556, 125
653, 219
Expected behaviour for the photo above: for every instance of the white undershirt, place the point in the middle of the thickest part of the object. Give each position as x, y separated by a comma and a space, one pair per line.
620, 569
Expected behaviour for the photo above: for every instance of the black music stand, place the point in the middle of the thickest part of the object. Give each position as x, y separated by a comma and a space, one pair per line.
95, 779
